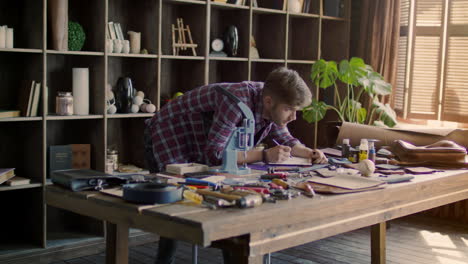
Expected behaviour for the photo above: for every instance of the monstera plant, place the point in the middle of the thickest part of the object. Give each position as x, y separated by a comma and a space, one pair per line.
357, 79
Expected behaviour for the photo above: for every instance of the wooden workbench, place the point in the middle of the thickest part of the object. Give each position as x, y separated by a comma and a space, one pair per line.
251, 233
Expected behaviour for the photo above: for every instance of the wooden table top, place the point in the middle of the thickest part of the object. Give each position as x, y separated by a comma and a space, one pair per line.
272, 226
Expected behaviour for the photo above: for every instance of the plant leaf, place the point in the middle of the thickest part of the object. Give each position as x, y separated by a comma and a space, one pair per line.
350, 72
387, 114
361, 115
315, 111
374, 84
324, 73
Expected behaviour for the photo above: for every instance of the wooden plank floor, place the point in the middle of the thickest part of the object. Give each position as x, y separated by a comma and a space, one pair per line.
415, 239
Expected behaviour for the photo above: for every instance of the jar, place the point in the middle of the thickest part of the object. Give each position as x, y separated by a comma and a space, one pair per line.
64, 103
109, 166
113, 155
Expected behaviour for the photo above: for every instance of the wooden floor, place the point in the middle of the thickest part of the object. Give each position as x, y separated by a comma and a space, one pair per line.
412, 240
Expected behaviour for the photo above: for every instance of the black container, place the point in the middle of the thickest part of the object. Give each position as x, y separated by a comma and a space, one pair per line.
124, 93
231, 41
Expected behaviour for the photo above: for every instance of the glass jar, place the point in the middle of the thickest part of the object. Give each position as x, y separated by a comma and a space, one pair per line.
64, 103
113, 155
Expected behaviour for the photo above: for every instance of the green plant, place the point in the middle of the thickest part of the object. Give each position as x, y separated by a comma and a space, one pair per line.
76, 36
358, 78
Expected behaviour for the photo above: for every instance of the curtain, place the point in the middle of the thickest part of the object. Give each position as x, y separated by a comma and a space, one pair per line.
374, 35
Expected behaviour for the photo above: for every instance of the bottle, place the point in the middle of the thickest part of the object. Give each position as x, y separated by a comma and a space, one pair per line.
363, 149
345, 148
371, 154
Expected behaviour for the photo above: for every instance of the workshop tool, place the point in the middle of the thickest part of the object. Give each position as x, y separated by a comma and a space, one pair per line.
261, 190
247, 201
271, 176
306, 188
152, 193
281, 183
242, 139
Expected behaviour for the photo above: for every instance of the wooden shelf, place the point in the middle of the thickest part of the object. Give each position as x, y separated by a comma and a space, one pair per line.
137, 115
282, 38
21, 50
261, 10
269, 60
176, 57
18, 187
228, 59
82, 53
20, 119
73, 117
227, 6
145, 56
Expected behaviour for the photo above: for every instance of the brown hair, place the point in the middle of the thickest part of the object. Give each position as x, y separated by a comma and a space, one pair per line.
286, 86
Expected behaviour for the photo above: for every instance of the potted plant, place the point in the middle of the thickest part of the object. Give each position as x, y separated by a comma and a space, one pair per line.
358, 79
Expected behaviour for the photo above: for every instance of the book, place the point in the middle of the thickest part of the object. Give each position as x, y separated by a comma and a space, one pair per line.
17, 181
35, 100
81, 156
79, 180
118, 31
24, 97
59, 158
9, 113
6, 174
306, 6
110, 26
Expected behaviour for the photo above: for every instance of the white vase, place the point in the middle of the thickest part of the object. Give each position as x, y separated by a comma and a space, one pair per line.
3, 36
126, 46
135, 42
9, 38
109, 45
118, 46
81, 91
58, 13
294, 6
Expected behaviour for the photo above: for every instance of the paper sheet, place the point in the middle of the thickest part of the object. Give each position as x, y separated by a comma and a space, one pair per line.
293, 161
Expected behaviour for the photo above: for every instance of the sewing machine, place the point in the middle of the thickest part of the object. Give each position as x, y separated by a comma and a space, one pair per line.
242, 139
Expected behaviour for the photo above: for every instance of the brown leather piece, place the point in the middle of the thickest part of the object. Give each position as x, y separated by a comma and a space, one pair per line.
441, 152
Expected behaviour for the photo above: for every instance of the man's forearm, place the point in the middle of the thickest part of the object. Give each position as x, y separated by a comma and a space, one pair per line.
300, 150
253, 155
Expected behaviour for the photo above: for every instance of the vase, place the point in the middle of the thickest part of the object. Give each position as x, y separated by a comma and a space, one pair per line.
118, 46
81, 91
3, 36
126, 46
9, 38
58, 10
124, 93
135, 42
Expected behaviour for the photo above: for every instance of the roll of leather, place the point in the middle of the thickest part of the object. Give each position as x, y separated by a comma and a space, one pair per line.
151, 193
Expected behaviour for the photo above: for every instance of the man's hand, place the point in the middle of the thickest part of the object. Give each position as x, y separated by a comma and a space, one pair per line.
317, 156
278, 154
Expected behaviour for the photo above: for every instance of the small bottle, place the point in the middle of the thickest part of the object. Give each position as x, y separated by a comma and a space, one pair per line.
363, 149
371, 154
345, 148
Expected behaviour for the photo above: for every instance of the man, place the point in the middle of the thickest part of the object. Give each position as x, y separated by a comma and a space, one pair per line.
196, 127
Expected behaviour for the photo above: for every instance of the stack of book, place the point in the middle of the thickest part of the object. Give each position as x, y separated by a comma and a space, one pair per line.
28, 100
7, 177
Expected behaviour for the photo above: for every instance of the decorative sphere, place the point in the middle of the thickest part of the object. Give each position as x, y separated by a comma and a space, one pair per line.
135, 108
150, 108
111, 109
76, 36
143, 107
366, 167
138, 100
141, 94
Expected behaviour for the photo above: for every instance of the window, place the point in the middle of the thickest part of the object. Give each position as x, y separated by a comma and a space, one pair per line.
432, 71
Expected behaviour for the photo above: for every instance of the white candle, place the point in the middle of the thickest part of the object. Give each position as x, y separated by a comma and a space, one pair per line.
9, 38
3, 36
81, 91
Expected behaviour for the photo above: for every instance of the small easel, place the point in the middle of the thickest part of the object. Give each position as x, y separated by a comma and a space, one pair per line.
181, 43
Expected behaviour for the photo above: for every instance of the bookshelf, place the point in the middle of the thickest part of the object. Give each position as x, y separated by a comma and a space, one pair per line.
283, 38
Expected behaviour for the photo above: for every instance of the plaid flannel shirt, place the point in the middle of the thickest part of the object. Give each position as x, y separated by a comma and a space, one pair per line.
178, 131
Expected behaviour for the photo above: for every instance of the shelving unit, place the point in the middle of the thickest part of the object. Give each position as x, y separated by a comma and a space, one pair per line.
283, 38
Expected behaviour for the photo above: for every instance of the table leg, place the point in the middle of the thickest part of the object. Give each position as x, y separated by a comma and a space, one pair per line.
116, 244
378, 245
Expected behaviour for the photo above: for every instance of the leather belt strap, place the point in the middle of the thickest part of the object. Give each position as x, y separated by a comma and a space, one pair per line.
151, 193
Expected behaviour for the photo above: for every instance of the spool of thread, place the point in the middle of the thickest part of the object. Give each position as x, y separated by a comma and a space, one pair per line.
9, 38
81, 91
